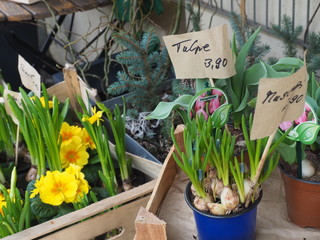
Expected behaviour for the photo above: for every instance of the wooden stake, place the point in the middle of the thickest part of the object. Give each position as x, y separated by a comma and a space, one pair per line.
72, 84
211, 82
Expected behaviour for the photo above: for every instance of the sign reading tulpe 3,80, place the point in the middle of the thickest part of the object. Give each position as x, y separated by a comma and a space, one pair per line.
204, 54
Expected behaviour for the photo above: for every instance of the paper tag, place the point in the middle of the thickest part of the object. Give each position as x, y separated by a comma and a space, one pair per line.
30, 78
279, 100
17, 97
204, 54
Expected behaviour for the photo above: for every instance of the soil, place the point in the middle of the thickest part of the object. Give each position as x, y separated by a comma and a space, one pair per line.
292, 169
158, 145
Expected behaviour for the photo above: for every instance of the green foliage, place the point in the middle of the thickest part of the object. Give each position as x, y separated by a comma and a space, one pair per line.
313, 54
16, 214
145, 69
242, 33
289, 34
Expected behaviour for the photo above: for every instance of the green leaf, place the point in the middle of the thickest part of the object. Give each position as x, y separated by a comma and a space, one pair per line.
164, 109
305, 132
287, 64
41, 209
237, 80
221, 115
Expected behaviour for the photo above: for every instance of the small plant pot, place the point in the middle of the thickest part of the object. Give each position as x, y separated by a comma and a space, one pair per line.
303, 201
240, 226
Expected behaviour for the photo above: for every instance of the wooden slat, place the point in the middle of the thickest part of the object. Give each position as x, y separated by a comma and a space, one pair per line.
103, 3
63, 7
85, 4
14, 12
89, 211
38, 10
123, 217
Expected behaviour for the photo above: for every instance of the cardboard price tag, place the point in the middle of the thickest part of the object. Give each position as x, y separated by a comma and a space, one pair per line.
204, 54
279, 100
30, 78
17, 97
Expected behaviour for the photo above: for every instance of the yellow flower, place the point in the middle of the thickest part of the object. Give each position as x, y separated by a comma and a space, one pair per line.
83, 185
73, 152
96, 117
70, 133
37, 186
58, 187
50, 103
86, 139
3, 203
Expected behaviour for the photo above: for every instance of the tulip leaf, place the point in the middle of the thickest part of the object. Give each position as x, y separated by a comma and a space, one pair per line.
164, 109
287, 64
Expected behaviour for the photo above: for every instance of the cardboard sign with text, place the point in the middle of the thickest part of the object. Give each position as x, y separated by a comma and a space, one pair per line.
30, 78
204, 54
279, 100
17, 97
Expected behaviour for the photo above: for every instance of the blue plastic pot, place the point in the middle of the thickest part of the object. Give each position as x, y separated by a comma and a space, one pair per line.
240, 226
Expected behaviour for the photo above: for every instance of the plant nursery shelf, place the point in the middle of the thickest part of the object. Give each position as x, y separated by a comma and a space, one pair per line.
28, 10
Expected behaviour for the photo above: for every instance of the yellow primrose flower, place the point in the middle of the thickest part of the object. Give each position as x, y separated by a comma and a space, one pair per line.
3, 203
96, 117
83, 185
86, 139
50, 103
37, 186
58, 187
70, 133
73, 152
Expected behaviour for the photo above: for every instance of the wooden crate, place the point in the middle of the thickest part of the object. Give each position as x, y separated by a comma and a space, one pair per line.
149, 228
97, 218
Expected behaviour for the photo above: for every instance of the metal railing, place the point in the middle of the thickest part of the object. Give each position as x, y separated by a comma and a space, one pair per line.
258, 13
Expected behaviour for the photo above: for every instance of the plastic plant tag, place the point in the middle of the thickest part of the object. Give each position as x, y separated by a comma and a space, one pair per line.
279, 100
30, 78
17, 97
204, 54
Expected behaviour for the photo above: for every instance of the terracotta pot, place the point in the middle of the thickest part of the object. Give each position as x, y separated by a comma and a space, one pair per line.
303, 201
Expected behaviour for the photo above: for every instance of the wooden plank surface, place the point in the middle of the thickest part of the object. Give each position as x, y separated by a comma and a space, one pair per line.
63, 7
123, 217
39, 10
85, 4
14, 12
89, 211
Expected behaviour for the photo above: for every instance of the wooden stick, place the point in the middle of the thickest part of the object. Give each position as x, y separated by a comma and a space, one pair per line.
72, 83
211, 82
260, 167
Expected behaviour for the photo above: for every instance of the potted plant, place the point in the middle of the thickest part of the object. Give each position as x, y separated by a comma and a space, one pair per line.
219, 189
300, 164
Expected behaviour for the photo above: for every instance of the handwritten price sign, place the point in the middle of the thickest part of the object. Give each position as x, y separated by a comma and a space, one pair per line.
279, 100
205, 54
30, 78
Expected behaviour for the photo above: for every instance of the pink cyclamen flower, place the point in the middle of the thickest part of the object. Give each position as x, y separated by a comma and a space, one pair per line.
203, 112
302, 118
213, 105
285, 125
216, 92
